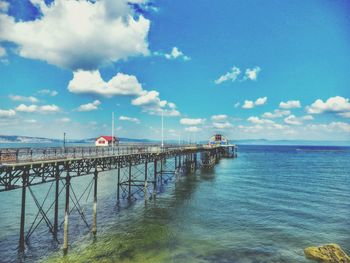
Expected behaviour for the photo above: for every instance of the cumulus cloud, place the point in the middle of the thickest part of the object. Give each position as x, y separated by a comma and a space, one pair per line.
79, 34
40, 109
260, 101
91, 82
249, 104
4, 6
89, 106
231, 75
176, 54
252, 74
220, 117
222, 125
192, 122
23, 98
125, 118
276, 114
7, 113
235, 72
65, 120
193, 129
152, 104
290, 104
48, 92
335, 104
3, 52
330, 127
292, 120
257, 120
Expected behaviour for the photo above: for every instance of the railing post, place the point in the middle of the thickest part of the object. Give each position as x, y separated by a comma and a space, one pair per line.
129, 192
23, 209
155, 179
66, 216
55, 226
146, 175
94, 218
118, 190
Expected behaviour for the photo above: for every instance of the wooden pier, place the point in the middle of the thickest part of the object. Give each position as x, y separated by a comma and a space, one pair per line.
24, 168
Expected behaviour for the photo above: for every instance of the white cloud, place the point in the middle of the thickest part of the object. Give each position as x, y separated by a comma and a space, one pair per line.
252, 74
7, 113
188, 121
31, 121
260, 101
344, 114
79, 34
4, 6
257, 120
2, 51
23, 98
91, 82
220, 117
152, 104
276, 114
335, 104
307, 118
222, 125
231, 75
290, 104
65, 120
176, 53
40, 109
330, 127
193, 129
291, 119
89, 106
237, 104
125, 118
249, 104
51, 93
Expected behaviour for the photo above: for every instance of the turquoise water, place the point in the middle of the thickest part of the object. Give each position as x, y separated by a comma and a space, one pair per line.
265, 206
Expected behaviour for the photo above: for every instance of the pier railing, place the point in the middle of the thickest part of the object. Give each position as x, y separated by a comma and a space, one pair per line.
18, 155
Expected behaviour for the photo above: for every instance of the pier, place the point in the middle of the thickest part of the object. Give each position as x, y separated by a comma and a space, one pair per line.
139, 172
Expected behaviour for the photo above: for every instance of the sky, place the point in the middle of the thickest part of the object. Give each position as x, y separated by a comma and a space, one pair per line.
239, 68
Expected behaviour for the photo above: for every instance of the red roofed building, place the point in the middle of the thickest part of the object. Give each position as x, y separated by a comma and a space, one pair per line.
106, 141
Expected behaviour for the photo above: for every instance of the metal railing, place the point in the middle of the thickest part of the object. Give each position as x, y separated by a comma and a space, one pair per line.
16, 155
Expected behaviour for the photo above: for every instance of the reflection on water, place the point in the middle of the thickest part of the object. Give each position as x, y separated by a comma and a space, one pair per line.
265, 206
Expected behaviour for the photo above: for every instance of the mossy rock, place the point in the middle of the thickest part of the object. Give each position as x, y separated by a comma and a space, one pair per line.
331, 253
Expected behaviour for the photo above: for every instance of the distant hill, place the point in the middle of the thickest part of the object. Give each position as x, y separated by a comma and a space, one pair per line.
32, 140
29, 139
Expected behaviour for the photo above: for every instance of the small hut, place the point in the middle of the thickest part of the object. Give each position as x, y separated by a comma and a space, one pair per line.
106, 141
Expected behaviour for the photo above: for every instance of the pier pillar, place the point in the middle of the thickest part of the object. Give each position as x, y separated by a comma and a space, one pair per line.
146, 175
55, 222
161, 171
155, 179
23, 210
66, 216
129, 192
175, 162
118, 185
94, 211
179, 161
195, 161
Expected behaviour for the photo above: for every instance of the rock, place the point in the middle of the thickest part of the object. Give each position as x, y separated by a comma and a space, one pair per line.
331, 253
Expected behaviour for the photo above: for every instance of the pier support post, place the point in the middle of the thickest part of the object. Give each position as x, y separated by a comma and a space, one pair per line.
155, 179
161, 171
118, 186
129, 191
179, 161
146, 175
66, 216
195, 161
94, 211
175, 162
23, 210
55, 222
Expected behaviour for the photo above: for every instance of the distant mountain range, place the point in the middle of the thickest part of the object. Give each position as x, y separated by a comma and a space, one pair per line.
31, 140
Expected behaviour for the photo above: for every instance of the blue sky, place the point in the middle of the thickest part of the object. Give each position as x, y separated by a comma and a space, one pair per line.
277, 71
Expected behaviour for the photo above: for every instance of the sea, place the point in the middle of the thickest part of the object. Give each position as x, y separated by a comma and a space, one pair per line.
266, 205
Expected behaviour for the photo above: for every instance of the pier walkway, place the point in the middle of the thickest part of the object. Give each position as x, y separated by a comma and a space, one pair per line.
139, 171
